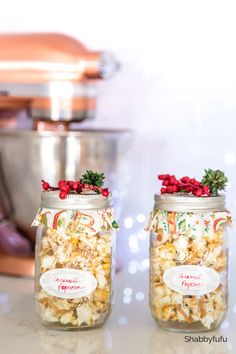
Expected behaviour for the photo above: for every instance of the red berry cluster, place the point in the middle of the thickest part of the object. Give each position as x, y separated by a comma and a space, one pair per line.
73, 187
185, 185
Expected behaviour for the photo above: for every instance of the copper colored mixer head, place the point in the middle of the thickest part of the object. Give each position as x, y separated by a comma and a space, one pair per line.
51, 75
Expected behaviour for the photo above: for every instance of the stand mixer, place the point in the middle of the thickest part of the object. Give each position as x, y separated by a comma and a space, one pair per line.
48, 82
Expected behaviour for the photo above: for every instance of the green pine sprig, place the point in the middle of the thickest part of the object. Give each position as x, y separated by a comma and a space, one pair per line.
93, 178
215, 180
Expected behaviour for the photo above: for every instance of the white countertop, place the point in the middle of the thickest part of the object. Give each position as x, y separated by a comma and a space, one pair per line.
129, 330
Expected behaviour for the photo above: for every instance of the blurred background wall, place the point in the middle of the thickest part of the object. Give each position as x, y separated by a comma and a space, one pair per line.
176, 89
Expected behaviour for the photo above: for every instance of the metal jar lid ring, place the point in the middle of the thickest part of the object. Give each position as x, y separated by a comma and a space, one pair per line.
188, 203
74, 201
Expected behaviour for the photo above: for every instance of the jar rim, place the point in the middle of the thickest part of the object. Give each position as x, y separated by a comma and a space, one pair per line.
188, 203
51, 199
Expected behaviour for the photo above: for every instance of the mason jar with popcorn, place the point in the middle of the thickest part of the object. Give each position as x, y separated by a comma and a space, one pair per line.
74, 254
188, 253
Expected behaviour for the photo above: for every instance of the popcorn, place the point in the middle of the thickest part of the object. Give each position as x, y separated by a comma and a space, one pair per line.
208, 320
86, 314
181, 243
167, 251
100, 275
181, 255
177, 298
188, 239
66, 318
65, 247
47, 262
48, 316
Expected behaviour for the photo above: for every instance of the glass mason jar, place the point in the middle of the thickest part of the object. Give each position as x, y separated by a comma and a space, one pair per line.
188, 262
74, 255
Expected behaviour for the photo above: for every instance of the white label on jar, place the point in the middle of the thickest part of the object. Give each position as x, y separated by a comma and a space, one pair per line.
68, 283
191, 279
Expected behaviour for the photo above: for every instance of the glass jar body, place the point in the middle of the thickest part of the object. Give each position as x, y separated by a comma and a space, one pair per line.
188, 270
74, 274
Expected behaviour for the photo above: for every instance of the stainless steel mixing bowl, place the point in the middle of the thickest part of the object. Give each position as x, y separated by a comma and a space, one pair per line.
26, 157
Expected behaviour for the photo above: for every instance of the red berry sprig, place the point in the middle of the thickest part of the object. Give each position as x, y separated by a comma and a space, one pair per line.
185, 185
74, 187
